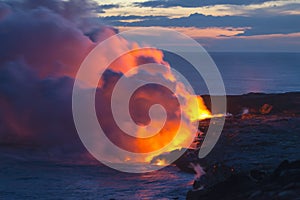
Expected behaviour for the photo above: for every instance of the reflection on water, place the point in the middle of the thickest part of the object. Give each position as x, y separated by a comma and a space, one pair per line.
245, 72
41, 180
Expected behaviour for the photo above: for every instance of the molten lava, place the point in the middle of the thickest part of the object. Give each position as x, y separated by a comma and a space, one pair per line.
160, 162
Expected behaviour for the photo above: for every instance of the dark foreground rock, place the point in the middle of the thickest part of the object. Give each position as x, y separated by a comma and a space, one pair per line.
262, 130
283, 183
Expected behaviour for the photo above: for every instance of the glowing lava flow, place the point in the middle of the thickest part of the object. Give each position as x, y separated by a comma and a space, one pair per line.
161, 162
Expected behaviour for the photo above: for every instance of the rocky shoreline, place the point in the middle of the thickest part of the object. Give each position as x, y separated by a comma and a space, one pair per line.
262, 130
283, 183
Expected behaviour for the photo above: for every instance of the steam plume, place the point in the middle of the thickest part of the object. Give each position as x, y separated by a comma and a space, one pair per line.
43, 44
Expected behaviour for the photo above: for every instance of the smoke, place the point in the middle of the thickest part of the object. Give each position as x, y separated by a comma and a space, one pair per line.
43, 44
49, 37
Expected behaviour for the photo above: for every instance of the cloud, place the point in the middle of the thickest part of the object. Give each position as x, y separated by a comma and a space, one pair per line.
209, 32
174, 3
254, 25
259, 17
172, 12
220, 8
109, 6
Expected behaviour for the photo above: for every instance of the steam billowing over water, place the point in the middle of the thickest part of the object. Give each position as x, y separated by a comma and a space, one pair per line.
43, 46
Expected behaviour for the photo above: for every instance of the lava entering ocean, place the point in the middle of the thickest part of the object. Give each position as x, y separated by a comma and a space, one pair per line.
148, 135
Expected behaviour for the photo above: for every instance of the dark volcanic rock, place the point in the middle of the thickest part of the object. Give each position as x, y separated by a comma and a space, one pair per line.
283, 183
262, 130
259, 103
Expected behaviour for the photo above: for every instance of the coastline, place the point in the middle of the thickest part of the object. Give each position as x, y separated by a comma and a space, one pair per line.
262, 132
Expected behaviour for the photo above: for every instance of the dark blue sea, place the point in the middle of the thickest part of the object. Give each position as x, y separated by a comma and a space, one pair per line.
259, 72
245, 72
50, 180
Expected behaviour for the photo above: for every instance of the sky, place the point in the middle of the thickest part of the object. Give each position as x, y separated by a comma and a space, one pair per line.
219, 25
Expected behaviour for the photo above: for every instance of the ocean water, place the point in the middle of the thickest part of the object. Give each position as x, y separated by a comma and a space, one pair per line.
21, 180
245, 72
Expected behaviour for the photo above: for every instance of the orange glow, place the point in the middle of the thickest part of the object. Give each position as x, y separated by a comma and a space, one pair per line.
175, 133
172, 12
196, 109
160, 162
127, 159
194, 32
